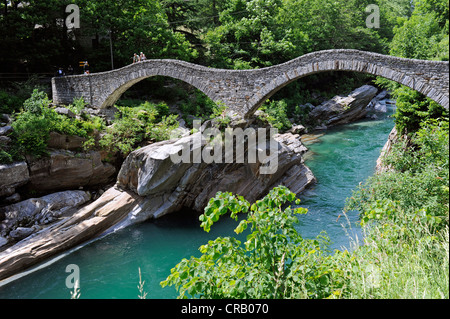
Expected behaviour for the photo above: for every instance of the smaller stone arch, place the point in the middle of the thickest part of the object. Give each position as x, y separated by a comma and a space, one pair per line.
121, 80
102, 90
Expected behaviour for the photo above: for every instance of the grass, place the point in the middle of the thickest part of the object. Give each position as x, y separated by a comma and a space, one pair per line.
405, 215
415, 270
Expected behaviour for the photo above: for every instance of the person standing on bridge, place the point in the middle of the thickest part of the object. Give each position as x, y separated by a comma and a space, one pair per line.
86, 67
142, 57
135, 58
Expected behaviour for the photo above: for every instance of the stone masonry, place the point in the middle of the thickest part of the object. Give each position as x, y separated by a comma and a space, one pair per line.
244, 91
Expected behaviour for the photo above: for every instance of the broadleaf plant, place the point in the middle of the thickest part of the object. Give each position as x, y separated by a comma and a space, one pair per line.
274, 261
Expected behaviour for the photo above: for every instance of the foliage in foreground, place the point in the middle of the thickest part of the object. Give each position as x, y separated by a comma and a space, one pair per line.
274, 261
404, 219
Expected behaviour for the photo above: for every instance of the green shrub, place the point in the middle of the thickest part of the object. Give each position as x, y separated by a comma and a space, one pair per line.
122, 136
134, 125
162, 131
9, 104
77, 105
277, 114
198, 105
413, 108
33, 126
274, 261
162, 109
5, 157
219, 114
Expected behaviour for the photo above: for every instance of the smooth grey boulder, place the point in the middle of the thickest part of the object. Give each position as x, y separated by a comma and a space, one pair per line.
22, 232
168, 186
65, 111
65, 170
12, 176
40, 210
5, 130
342, 110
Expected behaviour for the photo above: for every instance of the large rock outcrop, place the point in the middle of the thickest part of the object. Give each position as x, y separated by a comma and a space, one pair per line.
65, 170
12, 176
151, 173
150, 184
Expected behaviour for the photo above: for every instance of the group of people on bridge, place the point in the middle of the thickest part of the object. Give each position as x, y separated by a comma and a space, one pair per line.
139, 58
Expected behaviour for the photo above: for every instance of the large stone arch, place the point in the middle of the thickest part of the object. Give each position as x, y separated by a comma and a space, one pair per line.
427, 77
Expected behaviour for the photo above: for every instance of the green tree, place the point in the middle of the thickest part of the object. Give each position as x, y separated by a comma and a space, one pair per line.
420, 37
413, 108
34, 36
424, 35
248, 36
274, 261
320, 25
131, 27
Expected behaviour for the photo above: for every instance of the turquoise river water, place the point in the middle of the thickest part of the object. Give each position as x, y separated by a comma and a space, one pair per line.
340, 159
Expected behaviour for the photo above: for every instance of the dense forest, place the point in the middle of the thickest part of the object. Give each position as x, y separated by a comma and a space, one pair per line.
404, 211
233, 34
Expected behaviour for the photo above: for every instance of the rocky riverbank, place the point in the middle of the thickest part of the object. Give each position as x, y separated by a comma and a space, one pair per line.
149, 185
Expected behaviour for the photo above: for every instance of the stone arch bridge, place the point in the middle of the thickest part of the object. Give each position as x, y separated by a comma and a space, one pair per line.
244, 91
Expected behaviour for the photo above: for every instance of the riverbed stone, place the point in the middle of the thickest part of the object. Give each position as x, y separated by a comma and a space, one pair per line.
5, 130
39, 210
65, 111
4, 140
12, 176
344, 109
21, 232
298, 129
65, 142
65, 170
3, 241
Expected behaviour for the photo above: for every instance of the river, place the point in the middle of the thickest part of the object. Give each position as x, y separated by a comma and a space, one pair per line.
340, 159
